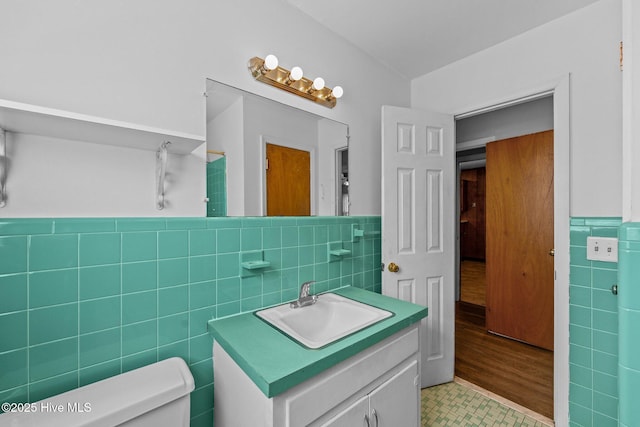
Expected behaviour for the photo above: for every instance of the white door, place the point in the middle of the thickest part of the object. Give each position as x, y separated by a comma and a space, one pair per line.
418, 199
353, 416
397, 401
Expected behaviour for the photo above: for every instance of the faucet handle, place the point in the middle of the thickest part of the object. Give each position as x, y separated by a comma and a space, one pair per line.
304, 288
305, 299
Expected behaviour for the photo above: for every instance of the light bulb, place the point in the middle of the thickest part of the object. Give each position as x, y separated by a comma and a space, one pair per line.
270, 62
318, 83
295, 74
337, 92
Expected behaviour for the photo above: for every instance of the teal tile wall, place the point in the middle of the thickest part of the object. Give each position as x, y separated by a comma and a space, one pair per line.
629, 319
85, 299
217, 187
593, 328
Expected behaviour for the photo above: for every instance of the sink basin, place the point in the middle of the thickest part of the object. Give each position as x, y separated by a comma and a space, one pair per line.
332, 317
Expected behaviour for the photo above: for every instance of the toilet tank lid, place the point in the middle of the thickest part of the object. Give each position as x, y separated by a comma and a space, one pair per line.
111, 401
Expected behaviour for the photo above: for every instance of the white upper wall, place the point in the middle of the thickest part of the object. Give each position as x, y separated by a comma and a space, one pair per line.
146, 62
584, 44
630, 110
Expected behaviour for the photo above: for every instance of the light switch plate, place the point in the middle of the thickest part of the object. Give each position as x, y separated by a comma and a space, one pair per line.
602, 249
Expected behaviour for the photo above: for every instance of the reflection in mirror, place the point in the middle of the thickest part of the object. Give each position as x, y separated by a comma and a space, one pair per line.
216, 183
308, 174
342, 180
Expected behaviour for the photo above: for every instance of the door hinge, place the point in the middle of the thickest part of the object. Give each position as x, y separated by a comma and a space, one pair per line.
621, 55
266, 163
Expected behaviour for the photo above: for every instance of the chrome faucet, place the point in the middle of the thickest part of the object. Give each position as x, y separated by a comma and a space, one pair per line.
304, 299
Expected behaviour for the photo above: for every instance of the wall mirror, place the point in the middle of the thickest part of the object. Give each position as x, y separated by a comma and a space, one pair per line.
265, 158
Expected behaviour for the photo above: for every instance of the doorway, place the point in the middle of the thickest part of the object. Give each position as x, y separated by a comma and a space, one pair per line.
397, 127
517, 371
472, 201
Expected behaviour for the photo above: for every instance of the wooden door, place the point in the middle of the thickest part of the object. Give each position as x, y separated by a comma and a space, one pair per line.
288, 181
519, 222
418, 211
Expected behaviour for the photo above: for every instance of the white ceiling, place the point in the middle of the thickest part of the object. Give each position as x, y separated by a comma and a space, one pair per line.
414, 37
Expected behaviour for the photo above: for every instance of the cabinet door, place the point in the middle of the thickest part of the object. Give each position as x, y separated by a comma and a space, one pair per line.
397, 401
352, 416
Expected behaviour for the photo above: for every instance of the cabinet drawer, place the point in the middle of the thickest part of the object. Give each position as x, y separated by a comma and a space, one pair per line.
311, 399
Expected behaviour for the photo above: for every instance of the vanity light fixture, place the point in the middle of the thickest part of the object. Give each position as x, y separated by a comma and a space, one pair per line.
294, 75
267, 71
270, 63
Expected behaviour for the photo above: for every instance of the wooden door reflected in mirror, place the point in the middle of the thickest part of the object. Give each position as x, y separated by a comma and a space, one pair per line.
288, 181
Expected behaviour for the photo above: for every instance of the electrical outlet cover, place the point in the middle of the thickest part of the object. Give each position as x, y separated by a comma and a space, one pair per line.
602, 249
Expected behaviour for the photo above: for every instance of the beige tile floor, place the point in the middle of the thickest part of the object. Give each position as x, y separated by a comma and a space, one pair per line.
460, 403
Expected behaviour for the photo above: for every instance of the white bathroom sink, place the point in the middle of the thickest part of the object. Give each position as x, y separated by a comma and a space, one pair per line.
332, 317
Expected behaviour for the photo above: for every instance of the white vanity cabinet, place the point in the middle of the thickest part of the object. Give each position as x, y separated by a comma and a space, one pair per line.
381, 407
377, 387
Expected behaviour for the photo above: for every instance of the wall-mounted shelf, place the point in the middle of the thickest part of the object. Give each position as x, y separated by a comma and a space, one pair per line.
253, 261
336, 249
357, 232
254, 265
36, 120
340, 252
17, 117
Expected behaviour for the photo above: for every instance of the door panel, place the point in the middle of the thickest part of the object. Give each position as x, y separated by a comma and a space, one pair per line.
435, 291
405, 222
434, 213
288, 181
417, 227
354, 416
397, 401
519, 221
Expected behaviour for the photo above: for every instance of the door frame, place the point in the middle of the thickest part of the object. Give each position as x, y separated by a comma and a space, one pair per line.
266, 139
559, 88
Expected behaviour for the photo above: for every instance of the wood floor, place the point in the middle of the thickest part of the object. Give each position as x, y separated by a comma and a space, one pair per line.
474, 284
516, 371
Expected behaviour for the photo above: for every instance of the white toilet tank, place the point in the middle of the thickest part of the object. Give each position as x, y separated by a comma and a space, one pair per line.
156, 395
